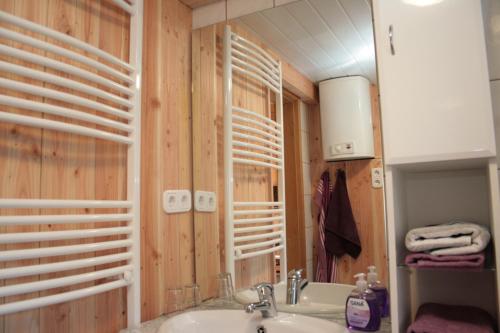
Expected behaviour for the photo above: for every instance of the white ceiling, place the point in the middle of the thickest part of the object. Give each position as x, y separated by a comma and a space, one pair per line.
320, 38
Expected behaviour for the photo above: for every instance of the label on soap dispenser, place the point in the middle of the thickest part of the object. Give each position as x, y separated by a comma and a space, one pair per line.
358, 312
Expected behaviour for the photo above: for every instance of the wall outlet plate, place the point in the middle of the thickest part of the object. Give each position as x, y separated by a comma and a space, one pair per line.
205, 201
176, 201
377, 177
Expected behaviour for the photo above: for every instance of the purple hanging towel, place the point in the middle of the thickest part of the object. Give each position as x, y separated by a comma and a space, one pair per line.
326, 269
341, 234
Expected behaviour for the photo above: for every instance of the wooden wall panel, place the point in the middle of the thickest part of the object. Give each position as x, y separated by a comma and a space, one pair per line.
167, 240
367, 202
295, 222
68, 175
205, 147
20, 167
46, 164
110, 181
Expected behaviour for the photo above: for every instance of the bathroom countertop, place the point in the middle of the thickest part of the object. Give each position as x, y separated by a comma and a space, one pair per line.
153, 325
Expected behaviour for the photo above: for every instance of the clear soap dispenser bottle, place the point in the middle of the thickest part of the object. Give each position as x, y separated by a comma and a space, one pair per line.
380, 291
362, 311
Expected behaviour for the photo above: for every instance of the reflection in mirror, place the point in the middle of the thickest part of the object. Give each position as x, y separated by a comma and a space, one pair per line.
250, 184
312, 47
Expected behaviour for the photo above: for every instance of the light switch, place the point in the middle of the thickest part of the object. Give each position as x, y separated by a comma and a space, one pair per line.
176, 201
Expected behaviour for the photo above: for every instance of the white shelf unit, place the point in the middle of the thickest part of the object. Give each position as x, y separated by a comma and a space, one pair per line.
432, 193
112, 93
252, 228
439, 144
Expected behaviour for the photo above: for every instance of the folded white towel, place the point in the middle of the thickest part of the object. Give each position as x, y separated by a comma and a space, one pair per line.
457, 238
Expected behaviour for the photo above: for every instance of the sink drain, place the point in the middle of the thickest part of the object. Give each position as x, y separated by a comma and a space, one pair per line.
261, 329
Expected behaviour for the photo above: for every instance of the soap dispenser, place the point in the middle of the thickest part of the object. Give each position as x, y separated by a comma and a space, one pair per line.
380, 291
362, 311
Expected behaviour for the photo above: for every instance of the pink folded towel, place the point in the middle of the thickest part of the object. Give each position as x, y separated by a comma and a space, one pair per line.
440, 318
424, 260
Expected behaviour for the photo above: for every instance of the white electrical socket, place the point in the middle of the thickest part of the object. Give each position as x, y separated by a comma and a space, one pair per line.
205, 201
176, 201
212, 202
377, 177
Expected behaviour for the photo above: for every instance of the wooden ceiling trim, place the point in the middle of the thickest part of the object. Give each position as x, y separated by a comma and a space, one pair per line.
198, 3
298, 84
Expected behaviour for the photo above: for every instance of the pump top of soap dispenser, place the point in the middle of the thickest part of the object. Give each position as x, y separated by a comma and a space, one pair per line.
372, 274
361, 283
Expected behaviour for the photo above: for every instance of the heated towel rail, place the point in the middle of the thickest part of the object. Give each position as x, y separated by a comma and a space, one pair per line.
113, 98
252, 228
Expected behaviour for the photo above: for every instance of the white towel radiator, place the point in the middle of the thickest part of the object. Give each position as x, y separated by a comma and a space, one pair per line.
123, 89
252, 228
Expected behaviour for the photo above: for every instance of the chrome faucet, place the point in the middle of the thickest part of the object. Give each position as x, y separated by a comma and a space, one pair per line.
267, 303
295, 284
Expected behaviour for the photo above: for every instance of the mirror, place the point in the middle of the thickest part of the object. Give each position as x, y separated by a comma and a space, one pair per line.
312, 47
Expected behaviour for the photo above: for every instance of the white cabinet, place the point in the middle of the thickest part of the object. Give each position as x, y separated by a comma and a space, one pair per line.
439, 144
434, 88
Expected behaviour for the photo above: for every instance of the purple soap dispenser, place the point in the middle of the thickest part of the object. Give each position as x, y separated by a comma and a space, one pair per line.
362, 311
380, 291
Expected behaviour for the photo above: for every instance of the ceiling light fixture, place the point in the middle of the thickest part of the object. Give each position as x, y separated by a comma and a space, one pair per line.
422, 3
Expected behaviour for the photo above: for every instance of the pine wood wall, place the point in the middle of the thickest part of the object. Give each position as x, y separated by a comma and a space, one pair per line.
167, 241
47, 164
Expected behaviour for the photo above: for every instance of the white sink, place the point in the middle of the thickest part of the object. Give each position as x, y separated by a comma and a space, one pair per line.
237, 321
315, 298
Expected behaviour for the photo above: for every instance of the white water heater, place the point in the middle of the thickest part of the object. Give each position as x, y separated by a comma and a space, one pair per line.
346, 118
